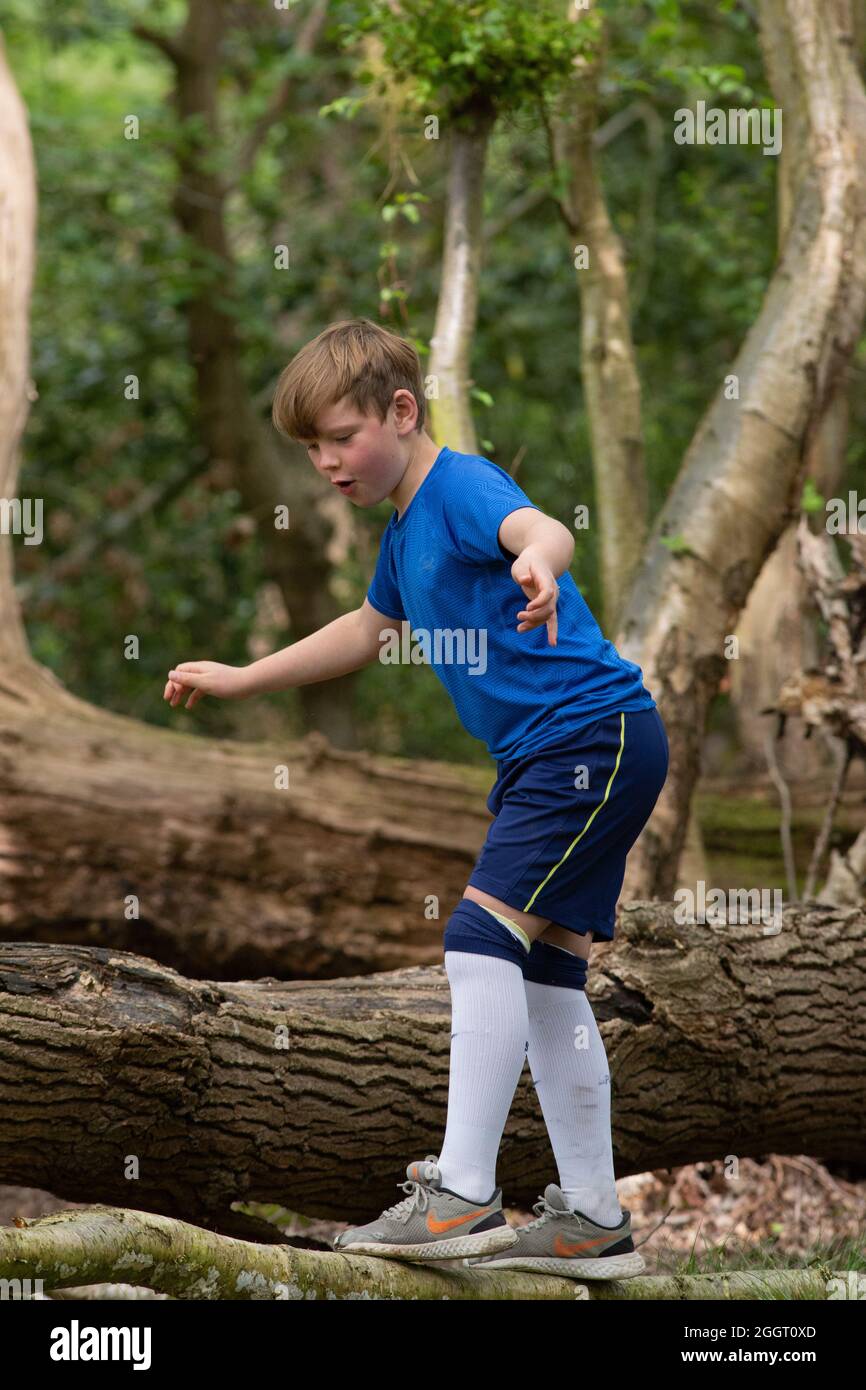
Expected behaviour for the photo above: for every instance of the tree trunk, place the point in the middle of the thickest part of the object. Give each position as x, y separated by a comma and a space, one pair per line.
17, 250
740, 481
70, 1248
266, 475
196, 1094
777, 631
183, 848
608, 368
451, 344
609, 372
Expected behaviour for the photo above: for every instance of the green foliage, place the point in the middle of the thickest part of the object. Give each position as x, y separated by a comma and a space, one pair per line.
678, 544
346, 108
810, 498
466, 54
404, 205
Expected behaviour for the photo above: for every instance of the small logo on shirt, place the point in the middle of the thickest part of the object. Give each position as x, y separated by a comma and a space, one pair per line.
438, 646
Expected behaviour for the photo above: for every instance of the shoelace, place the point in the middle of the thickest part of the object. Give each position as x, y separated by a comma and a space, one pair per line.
543, 1212
542, 1205
418, 1195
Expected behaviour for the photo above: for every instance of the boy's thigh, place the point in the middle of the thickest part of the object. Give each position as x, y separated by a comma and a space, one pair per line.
535, 927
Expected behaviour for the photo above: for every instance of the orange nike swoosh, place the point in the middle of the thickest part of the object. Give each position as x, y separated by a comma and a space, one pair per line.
561, 1247
435, 1227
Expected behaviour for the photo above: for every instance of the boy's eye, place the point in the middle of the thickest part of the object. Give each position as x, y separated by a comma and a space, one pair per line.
341, 439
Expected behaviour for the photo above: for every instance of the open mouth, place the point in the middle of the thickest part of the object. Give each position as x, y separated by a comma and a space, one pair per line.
345, 485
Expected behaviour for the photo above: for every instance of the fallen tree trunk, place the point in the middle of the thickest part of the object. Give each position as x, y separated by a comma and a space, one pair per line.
73, 1248
185, 849
120, 1076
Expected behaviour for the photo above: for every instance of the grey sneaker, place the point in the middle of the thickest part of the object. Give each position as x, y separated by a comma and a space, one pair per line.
563, 1241
431, 1223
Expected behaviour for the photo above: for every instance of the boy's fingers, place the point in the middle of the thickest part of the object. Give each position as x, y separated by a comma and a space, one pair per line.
538, 615
540, 601
546, 619
544, 597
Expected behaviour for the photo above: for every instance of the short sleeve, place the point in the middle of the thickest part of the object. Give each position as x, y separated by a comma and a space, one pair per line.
484, 497
384, 593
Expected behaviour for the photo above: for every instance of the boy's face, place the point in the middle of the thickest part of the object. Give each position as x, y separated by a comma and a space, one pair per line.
367, 455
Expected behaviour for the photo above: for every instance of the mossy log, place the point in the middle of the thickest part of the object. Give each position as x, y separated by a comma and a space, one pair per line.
98, 1244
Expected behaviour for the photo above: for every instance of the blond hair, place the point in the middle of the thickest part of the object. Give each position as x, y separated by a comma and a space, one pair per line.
355, 358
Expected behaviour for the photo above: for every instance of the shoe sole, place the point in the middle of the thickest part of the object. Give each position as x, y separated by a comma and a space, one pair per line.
600, 1267
483, 1243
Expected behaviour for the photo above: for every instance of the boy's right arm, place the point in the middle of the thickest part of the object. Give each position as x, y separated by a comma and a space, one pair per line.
348, 643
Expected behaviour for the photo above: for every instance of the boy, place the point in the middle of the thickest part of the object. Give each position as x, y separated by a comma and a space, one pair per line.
581, 757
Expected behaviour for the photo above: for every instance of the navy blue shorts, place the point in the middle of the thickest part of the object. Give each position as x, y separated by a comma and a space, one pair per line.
566, 817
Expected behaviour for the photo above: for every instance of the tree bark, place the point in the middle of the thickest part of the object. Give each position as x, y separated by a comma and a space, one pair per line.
72, 1248
740, 481
183, 848
265, 473
609, 372
122, 1077
451, 344
776, 630
608, 368
17, 254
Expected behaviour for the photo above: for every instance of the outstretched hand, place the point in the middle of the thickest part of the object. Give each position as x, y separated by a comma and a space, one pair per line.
538, 582
205, 678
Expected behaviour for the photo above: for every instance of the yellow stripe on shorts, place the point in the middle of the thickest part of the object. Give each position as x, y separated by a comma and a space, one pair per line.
592, 817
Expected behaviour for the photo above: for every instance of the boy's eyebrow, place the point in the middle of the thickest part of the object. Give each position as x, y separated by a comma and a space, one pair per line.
337, 429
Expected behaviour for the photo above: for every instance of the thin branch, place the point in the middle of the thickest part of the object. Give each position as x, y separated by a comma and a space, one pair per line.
166, 43
823, 839
604, 135
785, 827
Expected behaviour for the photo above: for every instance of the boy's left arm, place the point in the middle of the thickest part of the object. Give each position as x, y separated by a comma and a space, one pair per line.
544, 550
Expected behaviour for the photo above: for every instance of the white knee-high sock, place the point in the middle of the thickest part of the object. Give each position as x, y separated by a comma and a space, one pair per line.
489, 1035
569, 1068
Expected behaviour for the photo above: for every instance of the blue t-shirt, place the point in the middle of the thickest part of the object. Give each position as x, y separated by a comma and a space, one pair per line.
443, 574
